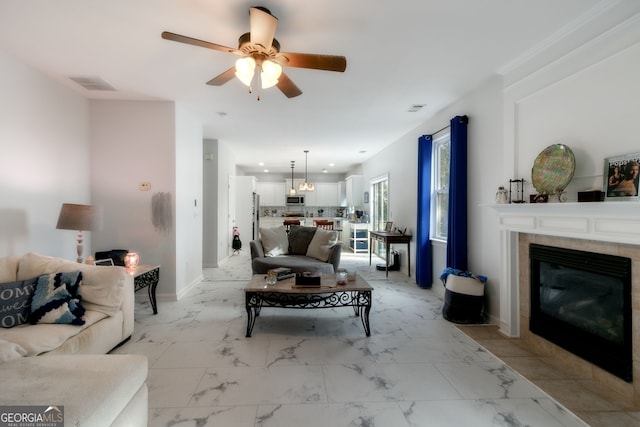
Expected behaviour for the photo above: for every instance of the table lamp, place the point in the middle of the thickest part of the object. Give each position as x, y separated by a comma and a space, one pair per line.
81, 218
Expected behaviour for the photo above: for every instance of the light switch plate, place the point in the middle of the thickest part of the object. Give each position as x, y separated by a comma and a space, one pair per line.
144, 186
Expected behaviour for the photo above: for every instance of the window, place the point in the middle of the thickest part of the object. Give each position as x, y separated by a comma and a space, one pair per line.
440, 190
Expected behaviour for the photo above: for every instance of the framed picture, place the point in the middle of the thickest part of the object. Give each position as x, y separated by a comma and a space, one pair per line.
388, 226
107, 261
621, 176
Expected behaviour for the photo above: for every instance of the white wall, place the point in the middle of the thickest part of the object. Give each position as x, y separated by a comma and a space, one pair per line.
189, 201
593, 111
484, 108
398, 161
210, 204
226, 164
243, 217
134, 142
44, 161
219, 192
56, 147
587, 99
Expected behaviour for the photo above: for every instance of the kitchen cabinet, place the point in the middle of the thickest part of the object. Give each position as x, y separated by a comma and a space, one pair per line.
354, 190
310, 198
358, 237
271, 193
326, 194
342, 193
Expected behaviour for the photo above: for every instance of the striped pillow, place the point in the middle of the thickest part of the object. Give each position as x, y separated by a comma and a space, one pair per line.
56, 299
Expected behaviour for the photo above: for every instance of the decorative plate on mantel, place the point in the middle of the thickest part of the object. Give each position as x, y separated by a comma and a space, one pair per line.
553, 169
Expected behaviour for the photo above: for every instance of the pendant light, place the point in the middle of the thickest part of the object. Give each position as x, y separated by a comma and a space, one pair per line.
306, 185
292, 191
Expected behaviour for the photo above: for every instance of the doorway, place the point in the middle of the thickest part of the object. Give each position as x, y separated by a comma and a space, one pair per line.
379, 210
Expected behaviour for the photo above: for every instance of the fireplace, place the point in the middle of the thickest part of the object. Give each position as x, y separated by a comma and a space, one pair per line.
581, 301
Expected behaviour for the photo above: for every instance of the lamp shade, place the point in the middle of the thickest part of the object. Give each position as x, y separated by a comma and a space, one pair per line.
245, 68
79, 217
270, 74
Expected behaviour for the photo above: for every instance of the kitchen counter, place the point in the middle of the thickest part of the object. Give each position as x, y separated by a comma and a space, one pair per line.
341, 225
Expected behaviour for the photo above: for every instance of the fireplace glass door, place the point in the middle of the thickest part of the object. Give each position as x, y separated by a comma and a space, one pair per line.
581, 301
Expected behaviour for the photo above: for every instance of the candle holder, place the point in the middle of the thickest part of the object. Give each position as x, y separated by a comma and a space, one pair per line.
131, 260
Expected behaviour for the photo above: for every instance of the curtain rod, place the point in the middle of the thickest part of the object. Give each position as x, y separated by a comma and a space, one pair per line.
440, 130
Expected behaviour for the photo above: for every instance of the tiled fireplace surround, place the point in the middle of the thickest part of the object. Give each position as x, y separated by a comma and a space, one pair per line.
608, 228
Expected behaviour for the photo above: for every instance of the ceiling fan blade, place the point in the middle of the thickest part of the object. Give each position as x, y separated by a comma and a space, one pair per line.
263, 26
314, 61
223, 77
288, 87
189, 40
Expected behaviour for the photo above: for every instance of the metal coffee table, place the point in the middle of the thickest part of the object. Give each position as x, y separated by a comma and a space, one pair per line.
285, 294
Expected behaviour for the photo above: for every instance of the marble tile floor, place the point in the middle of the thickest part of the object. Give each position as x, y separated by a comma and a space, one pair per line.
593, 403
317, 367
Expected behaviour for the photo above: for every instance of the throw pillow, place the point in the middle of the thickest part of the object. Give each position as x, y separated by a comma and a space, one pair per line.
57, 300
102, 287
321, 244
9, 268
299, 239
15, 302
274, 241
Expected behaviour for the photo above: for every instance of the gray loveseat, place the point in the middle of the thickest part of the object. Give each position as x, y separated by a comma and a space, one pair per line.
302, 249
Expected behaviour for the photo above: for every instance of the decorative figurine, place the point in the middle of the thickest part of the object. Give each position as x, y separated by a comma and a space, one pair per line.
501, 196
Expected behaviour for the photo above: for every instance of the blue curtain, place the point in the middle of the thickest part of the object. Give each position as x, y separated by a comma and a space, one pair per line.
423, 243
457, 227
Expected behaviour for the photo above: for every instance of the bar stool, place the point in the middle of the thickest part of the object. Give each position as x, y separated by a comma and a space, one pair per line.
323, 223
289, 222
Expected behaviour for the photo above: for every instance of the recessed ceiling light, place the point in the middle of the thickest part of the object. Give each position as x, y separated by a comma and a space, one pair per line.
362, 151
324, 171
261, 164
332, 164
266, 171
416, 107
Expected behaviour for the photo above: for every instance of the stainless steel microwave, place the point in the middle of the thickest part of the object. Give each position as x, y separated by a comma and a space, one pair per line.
295, 200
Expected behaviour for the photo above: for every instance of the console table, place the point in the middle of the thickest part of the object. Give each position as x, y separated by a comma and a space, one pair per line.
285, 294
146, 276
389, 239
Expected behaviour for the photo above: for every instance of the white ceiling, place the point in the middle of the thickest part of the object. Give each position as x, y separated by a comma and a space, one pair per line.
399, 53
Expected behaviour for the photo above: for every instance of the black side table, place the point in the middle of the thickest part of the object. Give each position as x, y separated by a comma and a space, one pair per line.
147, 276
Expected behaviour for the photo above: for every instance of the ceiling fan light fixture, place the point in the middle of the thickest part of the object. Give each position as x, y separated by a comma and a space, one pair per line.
245, 69
270, 73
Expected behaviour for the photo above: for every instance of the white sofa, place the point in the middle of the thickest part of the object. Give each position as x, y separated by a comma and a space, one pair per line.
107, 295
67, 364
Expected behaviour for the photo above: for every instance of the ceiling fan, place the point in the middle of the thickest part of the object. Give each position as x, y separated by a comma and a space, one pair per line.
259, 49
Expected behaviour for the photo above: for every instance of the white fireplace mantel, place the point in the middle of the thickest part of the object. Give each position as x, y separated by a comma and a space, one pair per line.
617, 222
605, 221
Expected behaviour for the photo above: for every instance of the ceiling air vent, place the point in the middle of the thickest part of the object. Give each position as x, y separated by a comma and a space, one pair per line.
415, 108
92, 83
